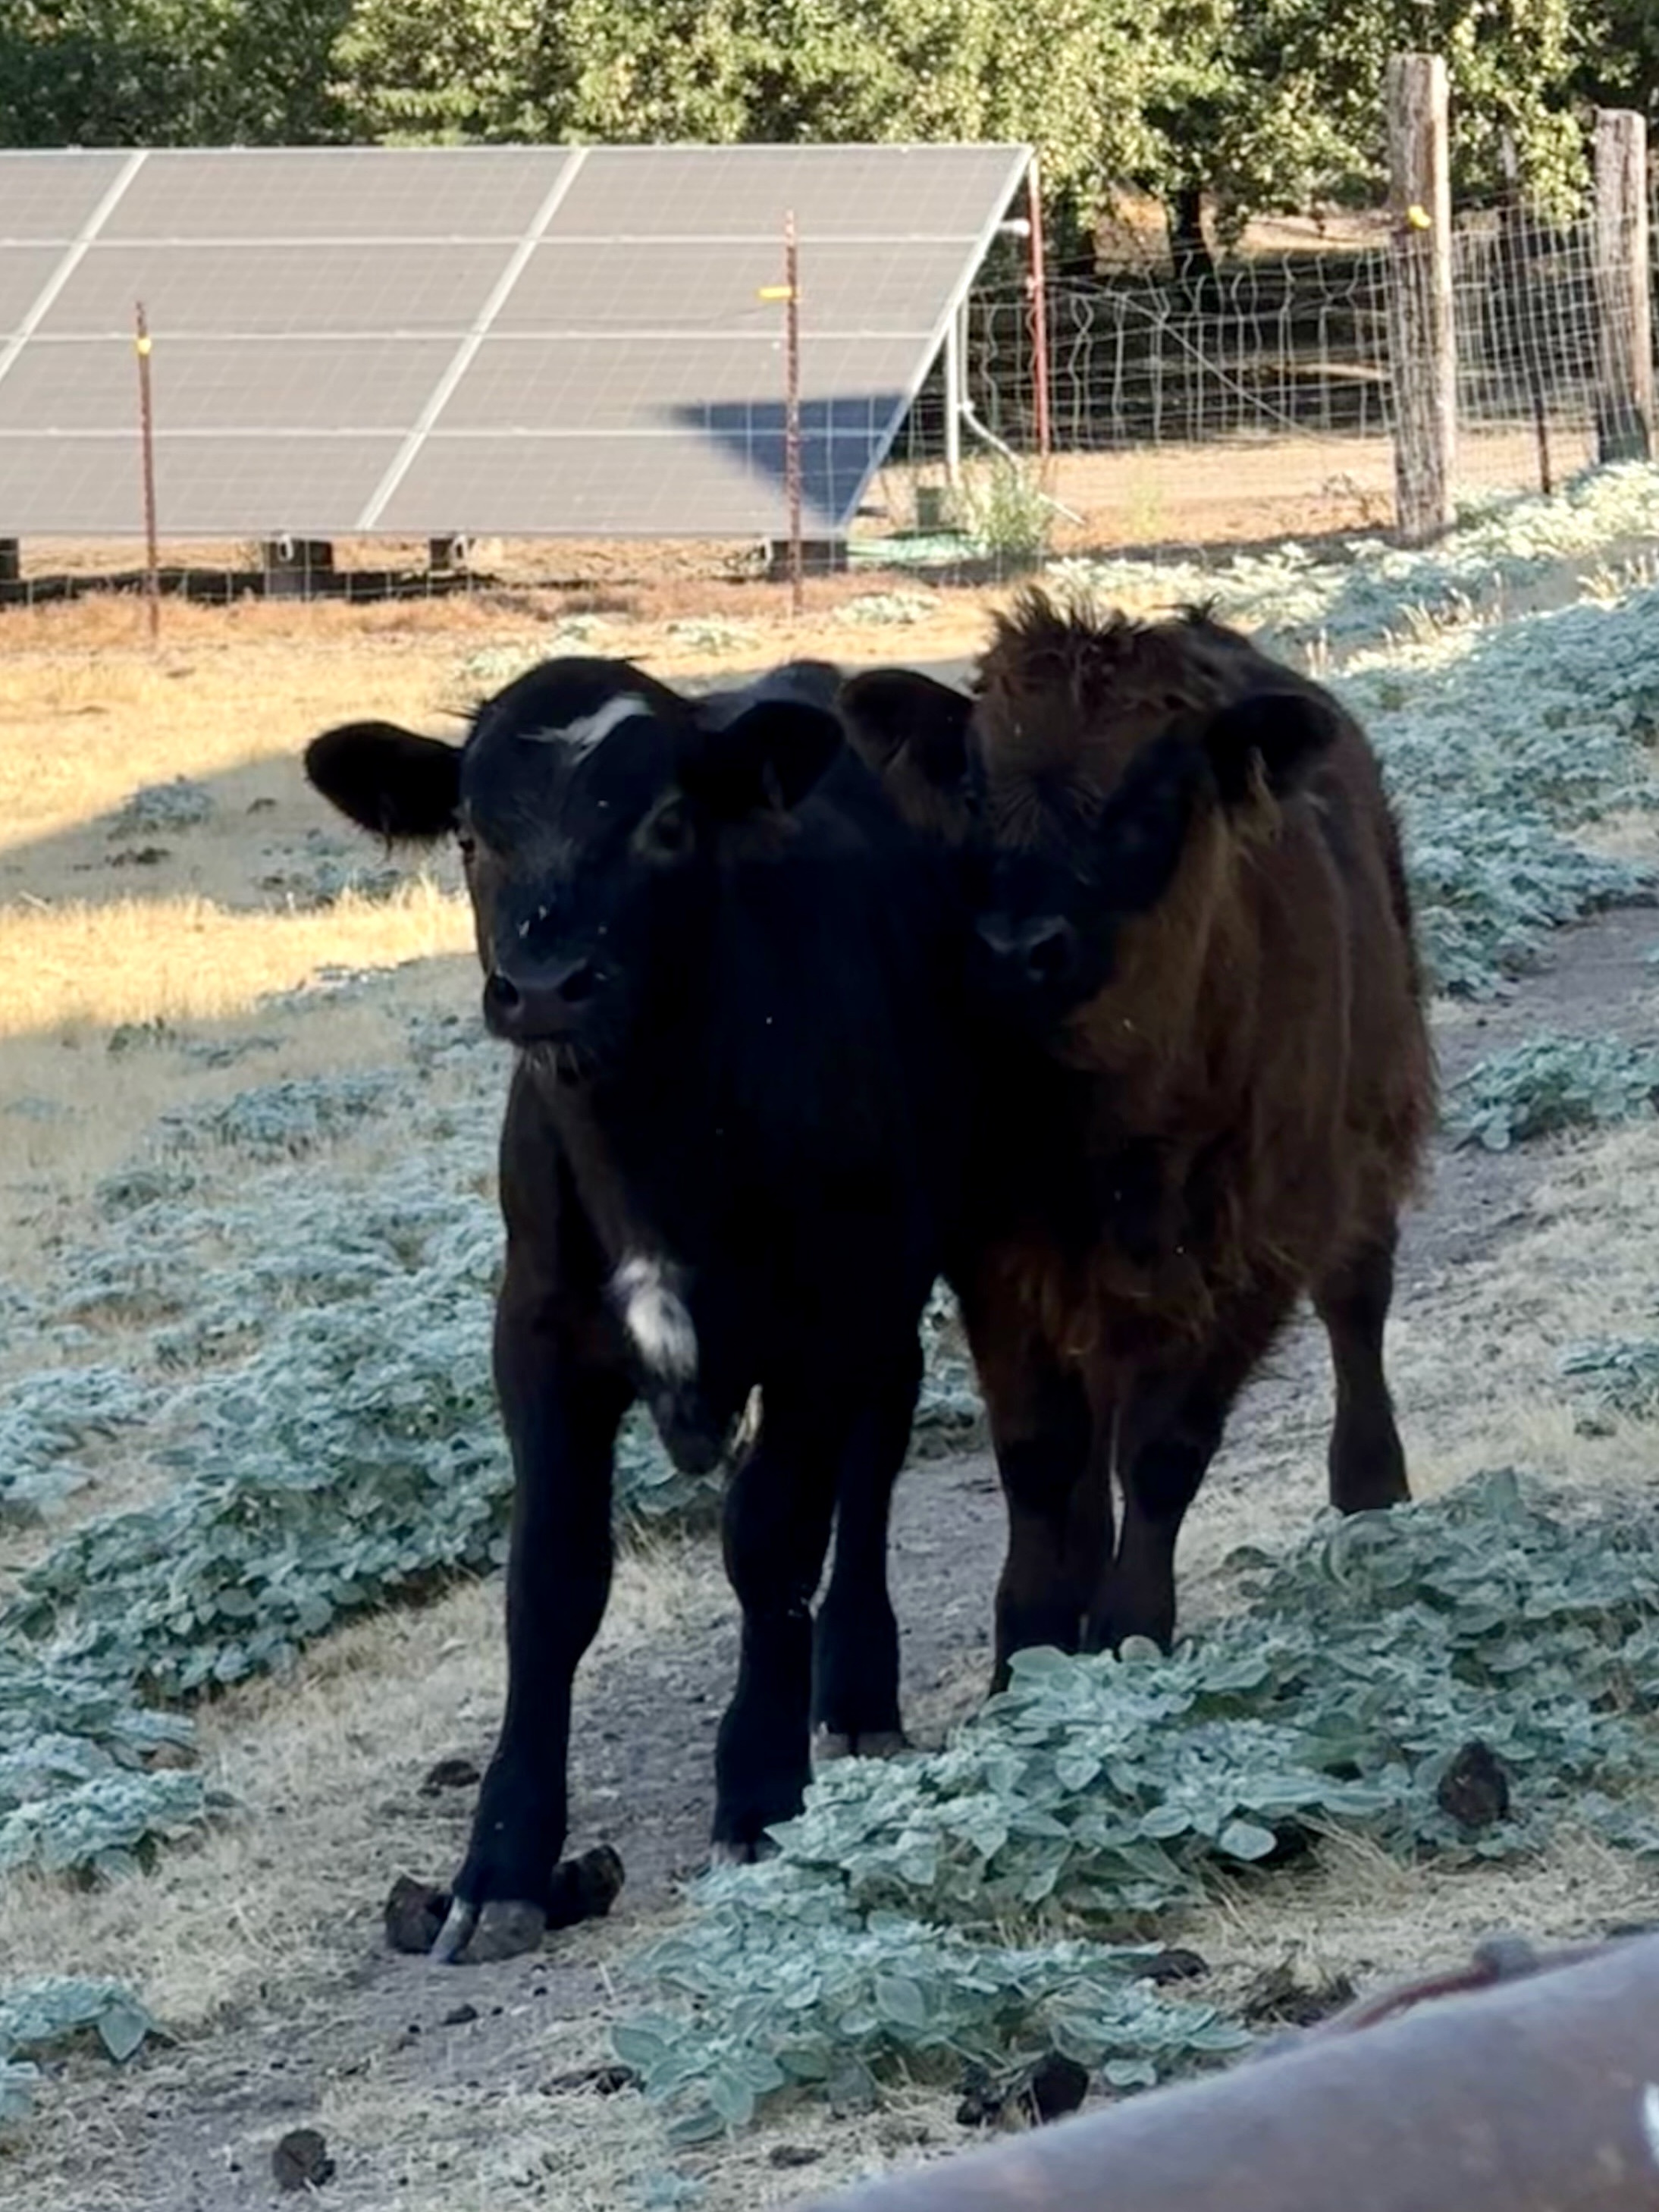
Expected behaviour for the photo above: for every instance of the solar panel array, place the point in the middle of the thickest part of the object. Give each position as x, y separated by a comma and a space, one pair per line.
500, 341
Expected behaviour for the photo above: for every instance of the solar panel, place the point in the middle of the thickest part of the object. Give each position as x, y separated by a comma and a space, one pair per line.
492, 341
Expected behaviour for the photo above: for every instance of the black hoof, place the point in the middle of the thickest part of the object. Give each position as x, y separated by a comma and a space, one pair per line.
477, 1934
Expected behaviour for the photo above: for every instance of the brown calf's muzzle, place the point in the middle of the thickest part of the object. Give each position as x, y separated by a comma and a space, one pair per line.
1039, 955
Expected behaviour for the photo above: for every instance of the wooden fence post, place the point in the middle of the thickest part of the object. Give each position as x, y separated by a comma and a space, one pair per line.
1624, 405
1421, 342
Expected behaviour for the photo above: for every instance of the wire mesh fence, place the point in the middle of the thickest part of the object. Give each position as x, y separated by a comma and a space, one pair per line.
1293, 351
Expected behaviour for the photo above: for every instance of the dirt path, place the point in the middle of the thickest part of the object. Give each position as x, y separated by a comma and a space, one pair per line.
455, 2087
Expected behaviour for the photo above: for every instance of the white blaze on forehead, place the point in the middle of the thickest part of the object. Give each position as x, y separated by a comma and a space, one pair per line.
581, 736
655, 1317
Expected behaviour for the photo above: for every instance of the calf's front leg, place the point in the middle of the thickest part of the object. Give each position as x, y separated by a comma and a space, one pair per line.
778, 1507
562, 1411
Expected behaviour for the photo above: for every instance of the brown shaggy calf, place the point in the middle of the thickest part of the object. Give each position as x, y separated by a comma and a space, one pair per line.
1212, 1082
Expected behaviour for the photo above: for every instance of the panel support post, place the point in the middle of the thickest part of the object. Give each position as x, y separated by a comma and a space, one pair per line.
819, 557
1422, 342
11, 562
147, 458
1037, 293
953, 352
1623, 404
298, 568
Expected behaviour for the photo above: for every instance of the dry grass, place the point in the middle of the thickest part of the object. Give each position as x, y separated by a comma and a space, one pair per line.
76, 968
323, 1765
1582, 1265
72, 1111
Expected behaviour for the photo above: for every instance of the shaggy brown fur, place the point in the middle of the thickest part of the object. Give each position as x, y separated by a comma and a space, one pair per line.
1264, 1024
1233, 1119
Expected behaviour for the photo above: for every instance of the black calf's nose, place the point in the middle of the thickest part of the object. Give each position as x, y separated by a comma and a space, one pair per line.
1040, 952
539, 1005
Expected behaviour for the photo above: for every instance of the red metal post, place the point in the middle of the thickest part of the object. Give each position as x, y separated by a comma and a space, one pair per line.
147, 438
1037, 286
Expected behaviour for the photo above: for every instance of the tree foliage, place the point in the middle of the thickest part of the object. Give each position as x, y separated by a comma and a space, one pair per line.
1076, 76
1292, 111
169, 72
1264, 103
1618, 63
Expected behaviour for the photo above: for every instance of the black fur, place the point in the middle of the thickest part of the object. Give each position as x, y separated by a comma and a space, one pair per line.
733, 976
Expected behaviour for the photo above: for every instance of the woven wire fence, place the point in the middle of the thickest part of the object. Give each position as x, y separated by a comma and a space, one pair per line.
1268, 381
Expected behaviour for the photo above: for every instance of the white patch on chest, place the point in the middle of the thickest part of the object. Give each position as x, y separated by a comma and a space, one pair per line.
656, 1319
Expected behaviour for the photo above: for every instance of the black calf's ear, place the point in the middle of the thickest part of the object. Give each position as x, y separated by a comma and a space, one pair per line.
1278, 734
387, 780
799, 683
769, 758
889, 711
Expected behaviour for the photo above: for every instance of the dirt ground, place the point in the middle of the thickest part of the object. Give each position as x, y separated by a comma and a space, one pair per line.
445, 2090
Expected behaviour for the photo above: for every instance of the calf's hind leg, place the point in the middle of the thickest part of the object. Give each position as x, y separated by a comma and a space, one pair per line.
1367, 1463
855, 1644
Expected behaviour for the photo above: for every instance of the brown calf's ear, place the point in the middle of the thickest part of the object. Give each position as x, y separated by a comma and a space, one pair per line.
888, 711
1281, 735
387, 780
768, 759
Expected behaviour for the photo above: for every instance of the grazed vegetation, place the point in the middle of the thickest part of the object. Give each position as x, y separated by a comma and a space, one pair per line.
1550, 1084
49, 2014
903, 1918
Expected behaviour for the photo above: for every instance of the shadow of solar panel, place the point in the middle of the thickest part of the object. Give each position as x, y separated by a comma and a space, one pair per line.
837, 436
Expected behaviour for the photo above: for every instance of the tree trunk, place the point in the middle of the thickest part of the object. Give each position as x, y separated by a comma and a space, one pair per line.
1189, 250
